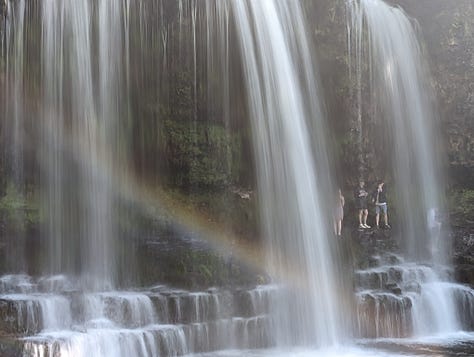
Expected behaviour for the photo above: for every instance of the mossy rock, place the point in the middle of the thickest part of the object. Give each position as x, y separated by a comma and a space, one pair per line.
461, 206
465, 274
199, 154
18, 211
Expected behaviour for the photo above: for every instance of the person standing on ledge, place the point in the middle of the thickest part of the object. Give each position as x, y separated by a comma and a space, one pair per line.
380, 200
361, 197
338, 213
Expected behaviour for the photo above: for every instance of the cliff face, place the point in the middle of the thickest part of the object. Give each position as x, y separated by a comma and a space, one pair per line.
446, 33
446, 28
449, 33
199, 149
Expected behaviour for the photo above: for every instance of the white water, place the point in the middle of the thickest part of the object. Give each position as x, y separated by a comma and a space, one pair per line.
15, 69
274, 46
59, 319
80, 130
83, 86
129, 323
399, 89
15, 129
421, 306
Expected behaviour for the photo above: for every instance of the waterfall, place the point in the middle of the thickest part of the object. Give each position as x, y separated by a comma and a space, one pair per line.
15, 36
16, 142
399, 89
91, 86
80, 130
70, 67
283, 101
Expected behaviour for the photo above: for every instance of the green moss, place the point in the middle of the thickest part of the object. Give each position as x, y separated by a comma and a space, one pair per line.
19, 211
199, 154
224, 207
461, 205
193, 268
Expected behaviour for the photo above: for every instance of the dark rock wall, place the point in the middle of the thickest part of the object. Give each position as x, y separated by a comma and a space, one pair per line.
464, 255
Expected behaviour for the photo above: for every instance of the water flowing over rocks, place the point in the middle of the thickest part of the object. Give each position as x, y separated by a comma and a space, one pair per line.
464, 255
52, 316
396, 299
158, 321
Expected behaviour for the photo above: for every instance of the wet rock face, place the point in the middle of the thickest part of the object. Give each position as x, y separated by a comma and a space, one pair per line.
187, 261
465, 274
19, 317
464, 256
453, 71
10, 347
396, 298
465, 305
383, 315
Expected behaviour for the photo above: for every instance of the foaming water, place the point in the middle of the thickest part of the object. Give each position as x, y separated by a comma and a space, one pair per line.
53, 317
406, 300
385, 38
449, 344
108, 342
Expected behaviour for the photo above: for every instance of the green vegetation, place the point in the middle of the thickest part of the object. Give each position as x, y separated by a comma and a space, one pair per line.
461, 204
225, 208
18, 211
199, 153
192, 268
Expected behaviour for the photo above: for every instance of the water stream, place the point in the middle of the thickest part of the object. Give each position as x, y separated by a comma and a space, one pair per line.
292, 181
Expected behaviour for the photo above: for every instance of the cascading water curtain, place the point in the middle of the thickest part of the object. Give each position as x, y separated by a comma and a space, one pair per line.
15, 129
396, 70
80, 131
386, 39
67, 101
95, 82
89, 51
293, 179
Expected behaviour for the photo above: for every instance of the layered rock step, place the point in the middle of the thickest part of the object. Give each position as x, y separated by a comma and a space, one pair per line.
152, 340
381, 314
50, 317
396, 299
